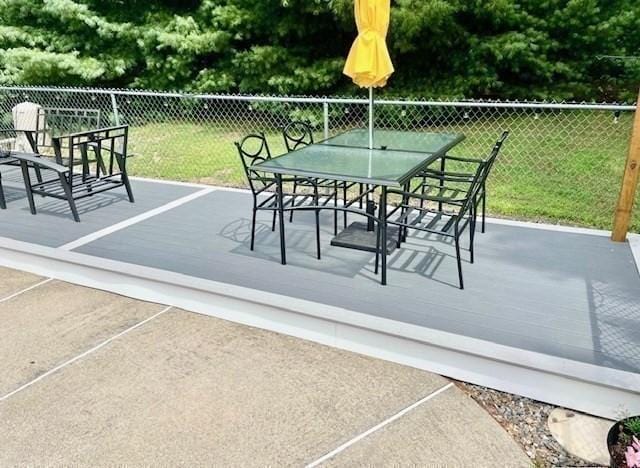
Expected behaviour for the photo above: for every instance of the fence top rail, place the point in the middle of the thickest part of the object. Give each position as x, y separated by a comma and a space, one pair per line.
333, 100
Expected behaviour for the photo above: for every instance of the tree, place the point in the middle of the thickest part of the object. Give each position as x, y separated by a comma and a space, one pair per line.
546, 49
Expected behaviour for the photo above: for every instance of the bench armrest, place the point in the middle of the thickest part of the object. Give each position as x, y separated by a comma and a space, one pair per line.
43, 163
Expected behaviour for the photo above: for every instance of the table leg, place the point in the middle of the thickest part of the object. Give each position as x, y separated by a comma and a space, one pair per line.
383, 225
279, 196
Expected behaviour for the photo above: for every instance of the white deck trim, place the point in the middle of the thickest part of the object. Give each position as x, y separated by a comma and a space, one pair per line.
634, 243
593, 389
173, 182
135, 219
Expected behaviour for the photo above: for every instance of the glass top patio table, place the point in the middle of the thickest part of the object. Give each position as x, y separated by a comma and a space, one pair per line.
397, 156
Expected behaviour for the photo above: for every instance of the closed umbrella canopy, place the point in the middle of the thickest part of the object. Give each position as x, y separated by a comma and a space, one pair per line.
368, 63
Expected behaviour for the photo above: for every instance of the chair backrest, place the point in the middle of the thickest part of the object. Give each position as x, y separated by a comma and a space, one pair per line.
56, 121
297, 134
108, 147
474, 187
253, 149
496, 150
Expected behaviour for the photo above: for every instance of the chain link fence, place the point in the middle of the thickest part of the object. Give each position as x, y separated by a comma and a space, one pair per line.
562, 162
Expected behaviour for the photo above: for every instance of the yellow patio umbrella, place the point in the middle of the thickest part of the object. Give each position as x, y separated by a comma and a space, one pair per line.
368, 63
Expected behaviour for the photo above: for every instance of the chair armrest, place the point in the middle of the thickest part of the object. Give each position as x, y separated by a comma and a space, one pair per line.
464, 159
43, 163
439, 173
427, 197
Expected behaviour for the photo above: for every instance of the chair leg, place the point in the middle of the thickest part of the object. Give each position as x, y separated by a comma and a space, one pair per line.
295, 187
38, 174
405, 201
459, 259
484, 203
273, 223
67, 191
335, 205
27, 185
344, 201
122, 165
253, 226
377, 247
280, 201
472, 232
316, 199
3, 201
360, 199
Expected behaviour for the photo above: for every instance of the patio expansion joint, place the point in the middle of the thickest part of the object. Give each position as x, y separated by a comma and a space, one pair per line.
378, 426
82, 355
25, 290
135, 220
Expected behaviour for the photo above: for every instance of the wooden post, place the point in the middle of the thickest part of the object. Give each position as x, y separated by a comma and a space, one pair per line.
629, 183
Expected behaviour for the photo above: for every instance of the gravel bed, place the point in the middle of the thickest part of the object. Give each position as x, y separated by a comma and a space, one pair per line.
526, 421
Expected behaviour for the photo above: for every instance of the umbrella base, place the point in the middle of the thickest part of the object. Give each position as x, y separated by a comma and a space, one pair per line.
356, 236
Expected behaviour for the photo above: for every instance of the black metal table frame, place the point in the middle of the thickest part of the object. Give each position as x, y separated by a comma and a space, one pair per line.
381, 220
371, 186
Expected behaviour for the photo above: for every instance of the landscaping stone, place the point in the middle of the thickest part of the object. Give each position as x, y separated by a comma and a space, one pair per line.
581, 435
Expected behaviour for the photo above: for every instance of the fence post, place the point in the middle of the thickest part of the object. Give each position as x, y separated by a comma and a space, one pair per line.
114, 105
629, 182
325, 109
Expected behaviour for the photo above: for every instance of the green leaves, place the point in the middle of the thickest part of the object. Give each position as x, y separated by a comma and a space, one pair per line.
440, 48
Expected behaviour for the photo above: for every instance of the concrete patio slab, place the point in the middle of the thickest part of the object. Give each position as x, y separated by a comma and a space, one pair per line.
13, 281
188, 389
449, 430
56, 321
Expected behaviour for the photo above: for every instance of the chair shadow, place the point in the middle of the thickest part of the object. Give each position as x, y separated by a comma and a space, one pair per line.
300, 247
14, 191
60, 208
425, 254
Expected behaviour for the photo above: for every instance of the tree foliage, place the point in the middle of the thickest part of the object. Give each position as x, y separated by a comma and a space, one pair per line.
444, 48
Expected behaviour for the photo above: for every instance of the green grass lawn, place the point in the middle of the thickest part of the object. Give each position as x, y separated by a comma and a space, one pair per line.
555, 167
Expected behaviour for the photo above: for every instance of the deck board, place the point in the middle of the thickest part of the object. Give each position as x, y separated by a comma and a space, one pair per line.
54, 225
568, 295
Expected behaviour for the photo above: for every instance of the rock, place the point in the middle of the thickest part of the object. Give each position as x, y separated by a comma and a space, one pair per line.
581, 435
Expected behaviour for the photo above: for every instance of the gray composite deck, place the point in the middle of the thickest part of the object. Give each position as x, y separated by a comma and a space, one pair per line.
562, 294
570, 295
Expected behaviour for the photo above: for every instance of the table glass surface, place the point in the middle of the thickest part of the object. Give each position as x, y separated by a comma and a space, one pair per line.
424, 142
347, 157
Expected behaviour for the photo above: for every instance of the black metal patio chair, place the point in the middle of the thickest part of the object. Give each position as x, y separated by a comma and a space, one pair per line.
105, 170
442, 175
298, 134
253, 149
450, 209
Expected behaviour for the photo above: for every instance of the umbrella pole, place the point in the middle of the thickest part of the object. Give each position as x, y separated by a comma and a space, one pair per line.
371, 205
371, 117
